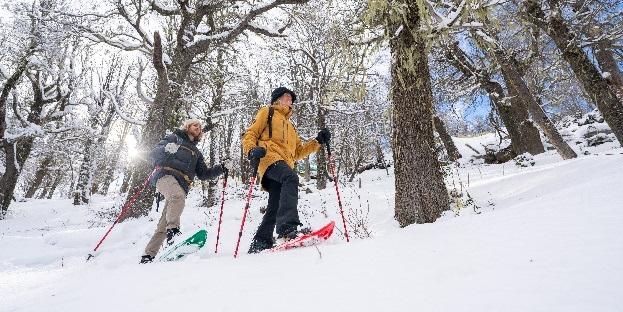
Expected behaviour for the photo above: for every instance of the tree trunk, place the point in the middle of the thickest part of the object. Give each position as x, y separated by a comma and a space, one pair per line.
210, 199
355, 169
421, 194
549, 129
307, 174
52, 181
594, 84
531, 134
608, 64
46, 187
111, 168
82, 192
321, 161
453, 153
41, 172
217, 103
54, 185
163, 115
380, 158
125, 184
8, 181
16, 155
514, 77
523, 134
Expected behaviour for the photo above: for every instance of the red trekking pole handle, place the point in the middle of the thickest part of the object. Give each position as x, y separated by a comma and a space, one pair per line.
125, 208
246, 207
220, 217
337, 191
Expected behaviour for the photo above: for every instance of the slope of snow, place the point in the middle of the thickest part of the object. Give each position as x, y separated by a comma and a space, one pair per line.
546, 238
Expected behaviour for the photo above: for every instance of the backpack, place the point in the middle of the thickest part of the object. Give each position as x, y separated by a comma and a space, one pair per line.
271, 112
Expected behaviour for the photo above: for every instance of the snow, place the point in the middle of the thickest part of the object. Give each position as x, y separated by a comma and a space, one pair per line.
4, 73
546, 238
486, 37
162, 6
398, 31
202, 38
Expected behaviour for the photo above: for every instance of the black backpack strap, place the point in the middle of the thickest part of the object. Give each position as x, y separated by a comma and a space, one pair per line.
271, 111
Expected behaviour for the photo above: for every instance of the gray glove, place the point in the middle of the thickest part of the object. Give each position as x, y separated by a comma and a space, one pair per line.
227, 164
171, 148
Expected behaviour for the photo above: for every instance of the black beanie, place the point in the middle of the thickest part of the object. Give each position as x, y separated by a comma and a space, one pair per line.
277, 93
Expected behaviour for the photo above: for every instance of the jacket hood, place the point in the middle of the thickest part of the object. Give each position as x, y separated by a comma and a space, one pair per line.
184, 135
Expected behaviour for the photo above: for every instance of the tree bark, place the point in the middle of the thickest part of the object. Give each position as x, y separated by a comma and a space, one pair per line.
57, 181
594, 84
17, 152
210, 199
51, 184
514, 77
9, 178
453, 152
421, 194
608, 64
307, 174
321, 160
111, 168
82, 194
7, 184
513, 113
42, 172
163, 115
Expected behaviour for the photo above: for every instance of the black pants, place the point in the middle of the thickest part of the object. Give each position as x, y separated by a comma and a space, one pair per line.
282, 184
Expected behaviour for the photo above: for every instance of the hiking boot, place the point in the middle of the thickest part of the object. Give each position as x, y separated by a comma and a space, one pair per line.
146, 259
172, 234
292, 234
258, 245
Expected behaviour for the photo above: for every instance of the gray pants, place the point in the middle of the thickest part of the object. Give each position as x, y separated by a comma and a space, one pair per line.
175, 198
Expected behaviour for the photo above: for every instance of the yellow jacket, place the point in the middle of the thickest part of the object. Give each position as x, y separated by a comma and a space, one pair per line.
285, 143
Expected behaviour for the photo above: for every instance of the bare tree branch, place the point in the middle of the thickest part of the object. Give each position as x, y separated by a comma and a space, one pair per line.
115, 102
139, 85
203, 43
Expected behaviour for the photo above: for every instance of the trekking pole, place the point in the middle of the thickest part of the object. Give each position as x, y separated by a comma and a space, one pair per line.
125, 208
337, 191
220, 217
246, 207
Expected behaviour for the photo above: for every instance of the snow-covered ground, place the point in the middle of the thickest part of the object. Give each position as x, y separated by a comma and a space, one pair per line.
544, 238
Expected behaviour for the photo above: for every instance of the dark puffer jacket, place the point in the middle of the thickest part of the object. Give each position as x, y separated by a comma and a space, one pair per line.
185, 164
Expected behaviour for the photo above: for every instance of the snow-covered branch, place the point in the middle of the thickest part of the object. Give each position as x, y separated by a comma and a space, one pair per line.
117, 43
16, 110
139, 85
258, 29
446, 22
202, 43
162, 9
113, 99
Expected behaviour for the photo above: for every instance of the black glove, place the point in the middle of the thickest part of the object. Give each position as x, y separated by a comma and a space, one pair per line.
324, 136
256, 153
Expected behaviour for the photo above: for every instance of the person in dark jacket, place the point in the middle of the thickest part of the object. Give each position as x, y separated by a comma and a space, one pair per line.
179, 162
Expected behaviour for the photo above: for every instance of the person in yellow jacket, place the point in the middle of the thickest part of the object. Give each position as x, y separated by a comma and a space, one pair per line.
274, 147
